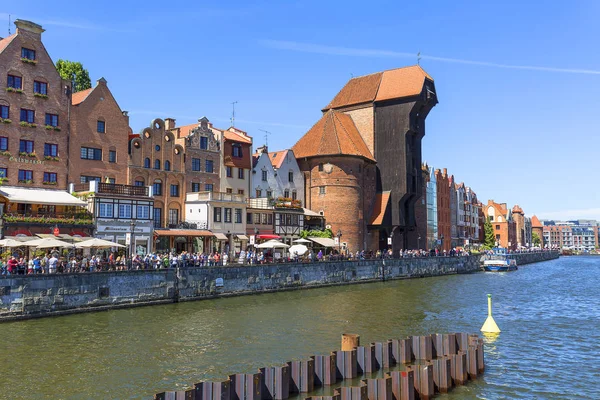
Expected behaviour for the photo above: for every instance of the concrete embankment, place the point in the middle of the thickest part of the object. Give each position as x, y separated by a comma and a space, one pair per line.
31, 296
530, 258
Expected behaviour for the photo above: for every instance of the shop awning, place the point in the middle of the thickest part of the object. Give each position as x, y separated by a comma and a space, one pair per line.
267, 236
182, 232
40, 196
311, 213
219, 236
325, 242
242, 237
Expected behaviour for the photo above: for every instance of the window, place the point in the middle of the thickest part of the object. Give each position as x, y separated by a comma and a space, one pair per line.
139, 183
40, 87
25, 175
50, 150
241, 191
125, 211
320, 167
15, 82
248, 218
167, 165
227, 215
240, 173
263, 219
52, 119
209, 166
157, 148
217, 214
105, 210
264, 176
236, 150
156, 164
86, 179
269, 193
90, 153
294, 195
146, 162
195, 164
143, 212
238, 215
229, 190
497, 227
286, 193
112, 156
203, 142
3, 143
100, 126
174, 190
27, 115
270, 219
208, 187
195, 187
157, 217
497, 237
229, 171
26, 146
3, 172
257, 218
258, 193
321, 189
157, 188
50, 177
291, 176
27, 53
4, 112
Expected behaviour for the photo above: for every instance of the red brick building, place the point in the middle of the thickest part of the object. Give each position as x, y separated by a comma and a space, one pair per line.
443, 209
502, 223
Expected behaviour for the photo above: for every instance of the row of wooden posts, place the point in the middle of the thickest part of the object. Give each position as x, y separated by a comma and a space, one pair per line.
442, 361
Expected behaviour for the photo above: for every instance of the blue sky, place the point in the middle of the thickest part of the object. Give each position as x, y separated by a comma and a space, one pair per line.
517, 81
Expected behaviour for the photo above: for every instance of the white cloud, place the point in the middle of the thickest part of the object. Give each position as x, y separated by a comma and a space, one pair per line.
353, 52
584, 213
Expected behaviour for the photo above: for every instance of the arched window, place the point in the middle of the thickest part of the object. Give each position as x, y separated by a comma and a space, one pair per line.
167, 165
147, 163
156, 164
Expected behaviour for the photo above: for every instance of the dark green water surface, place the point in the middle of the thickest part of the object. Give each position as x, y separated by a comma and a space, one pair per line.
549, 347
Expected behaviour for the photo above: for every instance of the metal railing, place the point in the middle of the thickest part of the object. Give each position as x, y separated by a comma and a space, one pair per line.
123, 190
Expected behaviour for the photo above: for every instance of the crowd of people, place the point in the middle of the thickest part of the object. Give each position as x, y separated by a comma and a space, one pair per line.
53, 262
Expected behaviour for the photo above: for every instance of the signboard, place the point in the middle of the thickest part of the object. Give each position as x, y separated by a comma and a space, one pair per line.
219, 282
337, 241
466, 241
128, 238
252, 240
389, 241
56, 231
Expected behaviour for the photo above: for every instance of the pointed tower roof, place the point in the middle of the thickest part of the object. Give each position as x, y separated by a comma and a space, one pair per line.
334, 134
535, 222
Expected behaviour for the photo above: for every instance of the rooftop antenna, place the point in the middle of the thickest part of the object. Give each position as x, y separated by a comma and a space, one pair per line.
419, 58
8, 24
267, 133
233, 113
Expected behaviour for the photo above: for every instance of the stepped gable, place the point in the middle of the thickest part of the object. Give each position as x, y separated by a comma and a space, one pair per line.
392, 84
334, 134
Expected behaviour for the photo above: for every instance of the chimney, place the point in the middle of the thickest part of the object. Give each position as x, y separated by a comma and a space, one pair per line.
30, 27
126, 115
445, 170
169, 123
262, 149
101, 81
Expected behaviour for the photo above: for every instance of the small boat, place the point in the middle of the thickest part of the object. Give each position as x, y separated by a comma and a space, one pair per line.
499, 261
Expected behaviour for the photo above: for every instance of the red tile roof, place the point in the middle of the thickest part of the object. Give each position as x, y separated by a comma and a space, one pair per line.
277, 158
79, 97
184, 130
517, 209
381, 202
334, 134
392, 84
535, 222
6, 41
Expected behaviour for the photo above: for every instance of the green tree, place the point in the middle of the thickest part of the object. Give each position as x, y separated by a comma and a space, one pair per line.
490, 239
74, 71
535, 238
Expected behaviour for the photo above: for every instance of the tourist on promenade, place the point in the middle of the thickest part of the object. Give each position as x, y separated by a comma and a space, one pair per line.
52, 264
320, 255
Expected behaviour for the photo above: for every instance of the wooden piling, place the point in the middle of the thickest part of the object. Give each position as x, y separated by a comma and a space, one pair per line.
212, 390
472, 362
325, 369
302, 376
346, 364
459, 368
276, 382
366, 359
354, 392
383, 354
442, 374
246, 386
422, 347
350, 341
379, 389
424, 381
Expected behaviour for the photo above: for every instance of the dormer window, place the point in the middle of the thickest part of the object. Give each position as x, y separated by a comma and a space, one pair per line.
236, 150
27, 53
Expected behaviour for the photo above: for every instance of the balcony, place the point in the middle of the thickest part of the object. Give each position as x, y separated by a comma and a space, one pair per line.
112, 189
79, 218
215, 196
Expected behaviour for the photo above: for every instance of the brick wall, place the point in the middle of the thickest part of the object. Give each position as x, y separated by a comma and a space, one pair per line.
363, 120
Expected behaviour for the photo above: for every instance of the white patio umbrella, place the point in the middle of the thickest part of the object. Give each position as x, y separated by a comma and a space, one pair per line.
97, 243
301, 241
272, 244
11, 243
298, 248
47, 243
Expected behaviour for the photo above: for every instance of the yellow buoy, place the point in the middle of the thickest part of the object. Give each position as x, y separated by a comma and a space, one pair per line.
490, 325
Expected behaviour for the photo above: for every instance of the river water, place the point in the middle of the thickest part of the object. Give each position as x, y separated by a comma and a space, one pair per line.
549, 314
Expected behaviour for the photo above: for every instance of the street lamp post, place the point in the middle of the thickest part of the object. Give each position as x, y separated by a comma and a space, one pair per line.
442, 241
132, 244
339, 237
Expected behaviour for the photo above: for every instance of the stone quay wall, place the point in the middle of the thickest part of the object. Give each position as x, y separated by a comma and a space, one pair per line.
530, 258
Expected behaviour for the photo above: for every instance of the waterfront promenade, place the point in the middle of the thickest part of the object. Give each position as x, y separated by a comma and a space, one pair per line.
544, 350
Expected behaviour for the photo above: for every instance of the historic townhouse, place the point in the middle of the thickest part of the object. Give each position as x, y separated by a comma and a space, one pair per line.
443, 209
99, 137
502, 223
